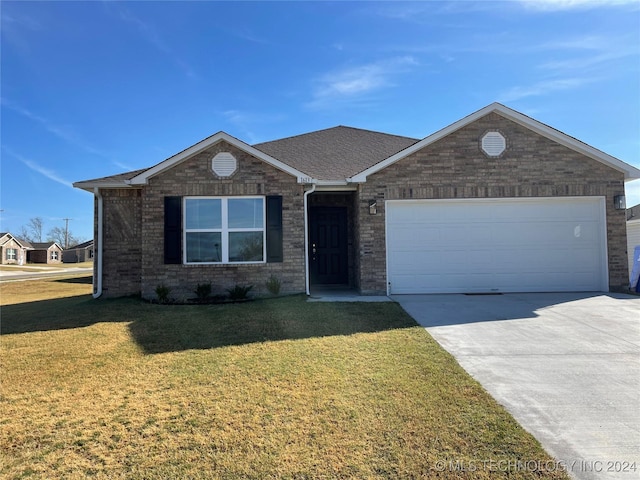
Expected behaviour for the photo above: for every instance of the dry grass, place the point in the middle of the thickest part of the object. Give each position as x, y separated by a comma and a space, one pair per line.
16, 292
39, 267
269, 389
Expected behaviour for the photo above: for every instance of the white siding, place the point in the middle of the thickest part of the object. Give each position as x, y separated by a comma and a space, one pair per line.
633, 240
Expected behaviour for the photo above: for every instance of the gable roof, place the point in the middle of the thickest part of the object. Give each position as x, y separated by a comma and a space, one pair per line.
342, 155
44, 245
630, 172
22, 243
633, 213
87, 244
335, 153
141, 177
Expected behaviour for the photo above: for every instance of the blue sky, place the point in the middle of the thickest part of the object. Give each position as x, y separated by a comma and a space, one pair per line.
91, 89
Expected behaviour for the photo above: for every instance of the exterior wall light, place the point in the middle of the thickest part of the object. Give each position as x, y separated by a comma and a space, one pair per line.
619, 202
373, 207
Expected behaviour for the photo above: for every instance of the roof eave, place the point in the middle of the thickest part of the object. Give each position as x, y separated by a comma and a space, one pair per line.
143, 178
91, 186
630, 172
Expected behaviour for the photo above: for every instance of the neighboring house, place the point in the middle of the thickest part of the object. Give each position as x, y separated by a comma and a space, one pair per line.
83, 252
13, 251
45, 252
633, 232
495, 202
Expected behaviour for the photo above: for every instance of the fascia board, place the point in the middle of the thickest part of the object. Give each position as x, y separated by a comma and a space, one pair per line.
90, 186
143, 178
10, 237
630, 172
434, 137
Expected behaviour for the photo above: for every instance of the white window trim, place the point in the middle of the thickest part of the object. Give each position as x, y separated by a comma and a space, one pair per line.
54, 255
12, 253
224, 230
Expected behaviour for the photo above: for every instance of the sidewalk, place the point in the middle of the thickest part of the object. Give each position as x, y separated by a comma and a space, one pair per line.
28, 272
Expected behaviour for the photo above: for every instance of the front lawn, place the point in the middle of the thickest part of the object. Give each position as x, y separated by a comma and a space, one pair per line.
276, 388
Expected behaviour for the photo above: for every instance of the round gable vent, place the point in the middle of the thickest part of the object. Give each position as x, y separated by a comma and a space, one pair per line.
224, 164
493, 144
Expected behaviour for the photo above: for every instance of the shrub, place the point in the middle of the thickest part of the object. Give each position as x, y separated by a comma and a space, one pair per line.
162, 291
239, 292
203, 291
273, 285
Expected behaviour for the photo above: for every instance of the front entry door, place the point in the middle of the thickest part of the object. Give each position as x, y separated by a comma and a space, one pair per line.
328, 245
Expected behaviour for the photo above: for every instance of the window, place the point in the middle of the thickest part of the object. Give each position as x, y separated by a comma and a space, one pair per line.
224, 230
11, 253
54, 255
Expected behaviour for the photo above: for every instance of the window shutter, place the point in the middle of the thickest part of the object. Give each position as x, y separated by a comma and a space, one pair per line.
274, 228
172, 230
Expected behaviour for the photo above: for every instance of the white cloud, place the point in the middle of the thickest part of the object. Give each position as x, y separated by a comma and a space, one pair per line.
245, 121
632, 193
542, 88
65, 133
149, 33
356, 81
50, 174
555, 5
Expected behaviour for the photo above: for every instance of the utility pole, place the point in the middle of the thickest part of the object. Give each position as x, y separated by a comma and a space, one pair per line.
66, 232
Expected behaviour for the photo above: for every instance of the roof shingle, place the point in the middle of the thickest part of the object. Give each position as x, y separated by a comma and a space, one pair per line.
335, 153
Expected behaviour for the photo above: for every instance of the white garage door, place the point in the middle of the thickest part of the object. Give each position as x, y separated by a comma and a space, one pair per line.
496, 245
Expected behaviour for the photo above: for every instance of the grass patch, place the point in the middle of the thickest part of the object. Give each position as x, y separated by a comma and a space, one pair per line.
17, 292
276, 388
43, 267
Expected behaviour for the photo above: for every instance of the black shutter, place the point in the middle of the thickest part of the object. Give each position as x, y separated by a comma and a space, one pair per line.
274, 228
172, 229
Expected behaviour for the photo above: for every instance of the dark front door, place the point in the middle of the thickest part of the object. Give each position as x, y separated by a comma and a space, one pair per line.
328, 245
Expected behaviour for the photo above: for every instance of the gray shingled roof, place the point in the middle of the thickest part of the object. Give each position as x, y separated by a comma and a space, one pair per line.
335, 153
120, 177
88, 243
331, 154
42, 245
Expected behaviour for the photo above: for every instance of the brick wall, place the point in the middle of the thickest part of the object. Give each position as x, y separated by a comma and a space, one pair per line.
194, 177
455, 167
20, 254
122, 242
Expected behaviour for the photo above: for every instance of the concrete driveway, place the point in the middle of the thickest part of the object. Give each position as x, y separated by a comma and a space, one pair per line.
565, 365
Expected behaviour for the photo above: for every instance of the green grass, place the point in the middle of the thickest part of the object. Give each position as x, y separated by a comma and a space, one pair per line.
276, 388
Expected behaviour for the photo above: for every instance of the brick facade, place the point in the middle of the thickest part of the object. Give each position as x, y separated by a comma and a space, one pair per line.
122, 242
134, 262
20, 256
455, 167
452, 167
42, 255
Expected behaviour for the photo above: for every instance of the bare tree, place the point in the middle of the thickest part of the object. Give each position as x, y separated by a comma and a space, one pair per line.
32, 231
63, 237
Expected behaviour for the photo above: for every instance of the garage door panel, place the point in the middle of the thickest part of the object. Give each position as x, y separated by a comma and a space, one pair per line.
410, 237
503, 245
